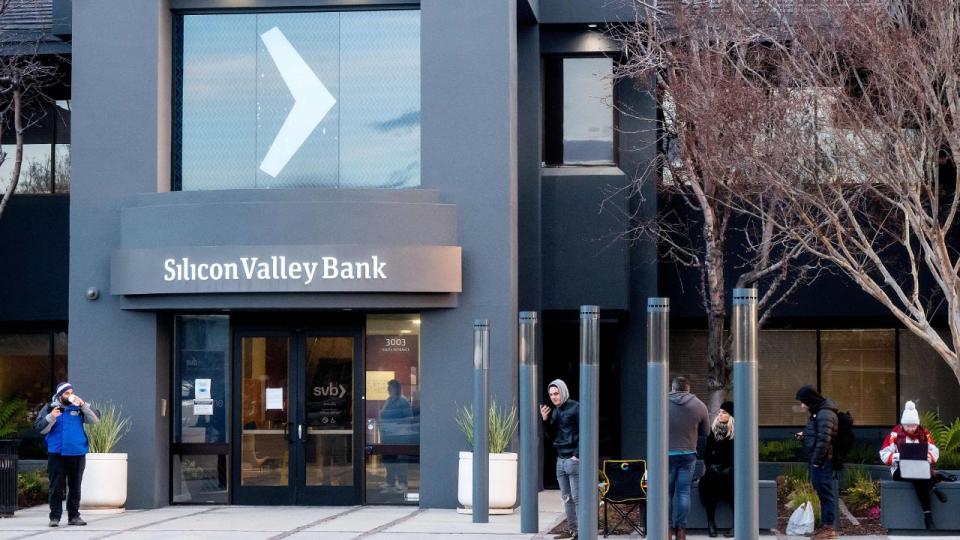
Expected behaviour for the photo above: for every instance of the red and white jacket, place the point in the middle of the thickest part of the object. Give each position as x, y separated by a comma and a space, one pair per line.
890, 452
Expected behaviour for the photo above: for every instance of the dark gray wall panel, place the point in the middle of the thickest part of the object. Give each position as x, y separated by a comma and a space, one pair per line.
34, 242
586, 11
469, 149
584, 261
262, 217
528, 163
119, 91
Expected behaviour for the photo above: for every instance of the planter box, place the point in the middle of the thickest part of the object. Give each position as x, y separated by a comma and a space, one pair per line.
104, 484
900, 509
503, 483
697, 518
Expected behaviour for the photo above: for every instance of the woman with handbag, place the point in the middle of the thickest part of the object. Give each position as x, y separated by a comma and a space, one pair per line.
717, 481
910, 432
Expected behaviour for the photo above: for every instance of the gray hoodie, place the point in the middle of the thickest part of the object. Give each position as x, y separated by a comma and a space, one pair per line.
688, 421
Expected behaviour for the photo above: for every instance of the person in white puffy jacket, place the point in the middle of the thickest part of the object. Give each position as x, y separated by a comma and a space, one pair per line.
909, 430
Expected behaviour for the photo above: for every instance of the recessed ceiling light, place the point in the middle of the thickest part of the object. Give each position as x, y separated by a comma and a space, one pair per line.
591, 26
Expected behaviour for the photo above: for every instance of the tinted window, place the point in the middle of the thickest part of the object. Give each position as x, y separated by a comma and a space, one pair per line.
287, 100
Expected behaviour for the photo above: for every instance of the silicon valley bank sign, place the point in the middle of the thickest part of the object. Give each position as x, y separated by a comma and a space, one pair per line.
295, 268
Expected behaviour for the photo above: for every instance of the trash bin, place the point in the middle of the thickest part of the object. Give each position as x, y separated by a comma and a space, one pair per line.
8, 477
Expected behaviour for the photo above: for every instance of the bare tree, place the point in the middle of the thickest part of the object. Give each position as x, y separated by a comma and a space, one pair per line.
24, 77
867, 160
708, 74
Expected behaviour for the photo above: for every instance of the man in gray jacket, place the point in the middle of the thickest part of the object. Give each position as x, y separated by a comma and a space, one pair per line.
688, 423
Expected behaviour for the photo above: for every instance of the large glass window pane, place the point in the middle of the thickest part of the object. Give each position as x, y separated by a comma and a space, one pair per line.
25, 368
202, 356
265, 406
61, 177
34, 169
587, 113
200, 479
392, 431
380, 99
283, 100
786, 361
688, 358
926, 379
858, 370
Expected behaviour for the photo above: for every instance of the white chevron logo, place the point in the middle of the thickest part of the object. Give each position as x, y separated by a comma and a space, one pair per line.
311, 101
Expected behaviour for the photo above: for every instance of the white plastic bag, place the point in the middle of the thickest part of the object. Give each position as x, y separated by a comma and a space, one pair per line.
801, 520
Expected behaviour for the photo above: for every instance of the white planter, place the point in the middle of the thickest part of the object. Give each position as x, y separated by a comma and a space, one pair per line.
104, 484
503, 482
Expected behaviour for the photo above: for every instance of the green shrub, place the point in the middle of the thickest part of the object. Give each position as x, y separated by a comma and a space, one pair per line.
104, 435
795, 476
32, 488
785, 450
949, 460
14, 417
502, 424
863, 494
805, 493
852, 475
864, 453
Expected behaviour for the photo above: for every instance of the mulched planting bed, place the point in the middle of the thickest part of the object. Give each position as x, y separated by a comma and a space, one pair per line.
867, 525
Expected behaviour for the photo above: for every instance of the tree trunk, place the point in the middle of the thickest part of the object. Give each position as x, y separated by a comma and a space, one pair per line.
18, 154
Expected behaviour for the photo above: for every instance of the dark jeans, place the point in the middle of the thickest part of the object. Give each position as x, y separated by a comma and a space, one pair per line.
681, 477
65, 472
716, 487
922, 487
822, 480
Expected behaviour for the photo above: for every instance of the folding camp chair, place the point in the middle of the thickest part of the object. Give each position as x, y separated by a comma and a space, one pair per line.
624, 489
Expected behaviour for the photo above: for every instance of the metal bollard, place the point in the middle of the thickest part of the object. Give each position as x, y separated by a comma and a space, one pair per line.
746, 466
481, 435
529, 424
588, 504
658, 374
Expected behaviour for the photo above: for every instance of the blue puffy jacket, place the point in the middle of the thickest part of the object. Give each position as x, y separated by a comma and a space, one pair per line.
65, 435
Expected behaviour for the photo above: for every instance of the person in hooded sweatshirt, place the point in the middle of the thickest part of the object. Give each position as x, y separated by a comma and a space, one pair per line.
563, 427
818, 444
689, 422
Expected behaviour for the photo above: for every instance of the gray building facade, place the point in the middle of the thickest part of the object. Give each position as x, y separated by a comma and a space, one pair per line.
519, 235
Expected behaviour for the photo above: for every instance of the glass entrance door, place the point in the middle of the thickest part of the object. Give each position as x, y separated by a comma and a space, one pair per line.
295, 434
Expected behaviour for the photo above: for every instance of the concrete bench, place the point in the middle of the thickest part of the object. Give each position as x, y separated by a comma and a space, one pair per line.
697, 519
900, 509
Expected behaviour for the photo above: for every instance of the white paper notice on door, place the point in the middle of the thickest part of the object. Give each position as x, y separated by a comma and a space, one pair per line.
202, 407
201, 388
274, 399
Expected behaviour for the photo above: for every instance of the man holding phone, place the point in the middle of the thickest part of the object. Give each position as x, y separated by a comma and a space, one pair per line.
563, 426
61, 423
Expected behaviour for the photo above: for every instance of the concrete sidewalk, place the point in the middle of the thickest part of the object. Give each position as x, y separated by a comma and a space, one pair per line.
262, 522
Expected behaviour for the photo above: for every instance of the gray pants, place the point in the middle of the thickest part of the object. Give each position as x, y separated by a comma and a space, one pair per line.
568, 475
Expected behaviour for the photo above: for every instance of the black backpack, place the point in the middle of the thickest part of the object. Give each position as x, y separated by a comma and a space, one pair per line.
844, 440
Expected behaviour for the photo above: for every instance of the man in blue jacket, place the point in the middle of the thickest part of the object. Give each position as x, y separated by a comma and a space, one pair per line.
61, 423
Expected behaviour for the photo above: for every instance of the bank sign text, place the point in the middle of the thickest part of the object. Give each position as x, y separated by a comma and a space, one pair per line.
276, 267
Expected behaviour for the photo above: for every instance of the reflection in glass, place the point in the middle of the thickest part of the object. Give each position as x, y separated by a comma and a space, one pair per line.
787, 361
587, 112
264, 407
392, 430
200, 479
858, 370
329, 411
34, 168
25, 368
234, 100
925, 378
202, 354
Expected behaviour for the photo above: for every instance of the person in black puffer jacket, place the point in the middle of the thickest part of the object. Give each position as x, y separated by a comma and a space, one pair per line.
717, 481
818, 445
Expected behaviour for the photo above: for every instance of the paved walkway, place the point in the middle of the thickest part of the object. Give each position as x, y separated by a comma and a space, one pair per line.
327, 523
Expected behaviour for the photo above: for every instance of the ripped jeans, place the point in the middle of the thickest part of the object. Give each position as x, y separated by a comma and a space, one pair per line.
568, 476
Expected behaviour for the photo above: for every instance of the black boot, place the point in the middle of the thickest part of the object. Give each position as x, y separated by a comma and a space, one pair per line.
940, 494
928, 521
711, 528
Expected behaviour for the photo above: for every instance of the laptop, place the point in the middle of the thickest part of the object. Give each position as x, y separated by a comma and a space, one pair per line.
913, 461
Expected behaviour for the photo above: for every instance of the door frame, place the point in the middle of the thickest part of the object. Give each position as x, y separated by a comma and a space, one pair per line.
297, 492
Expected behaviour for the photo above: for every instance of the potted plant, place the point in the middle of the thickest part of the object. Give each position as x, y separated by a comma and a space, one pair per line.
106, 489
503, 465
14, 417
